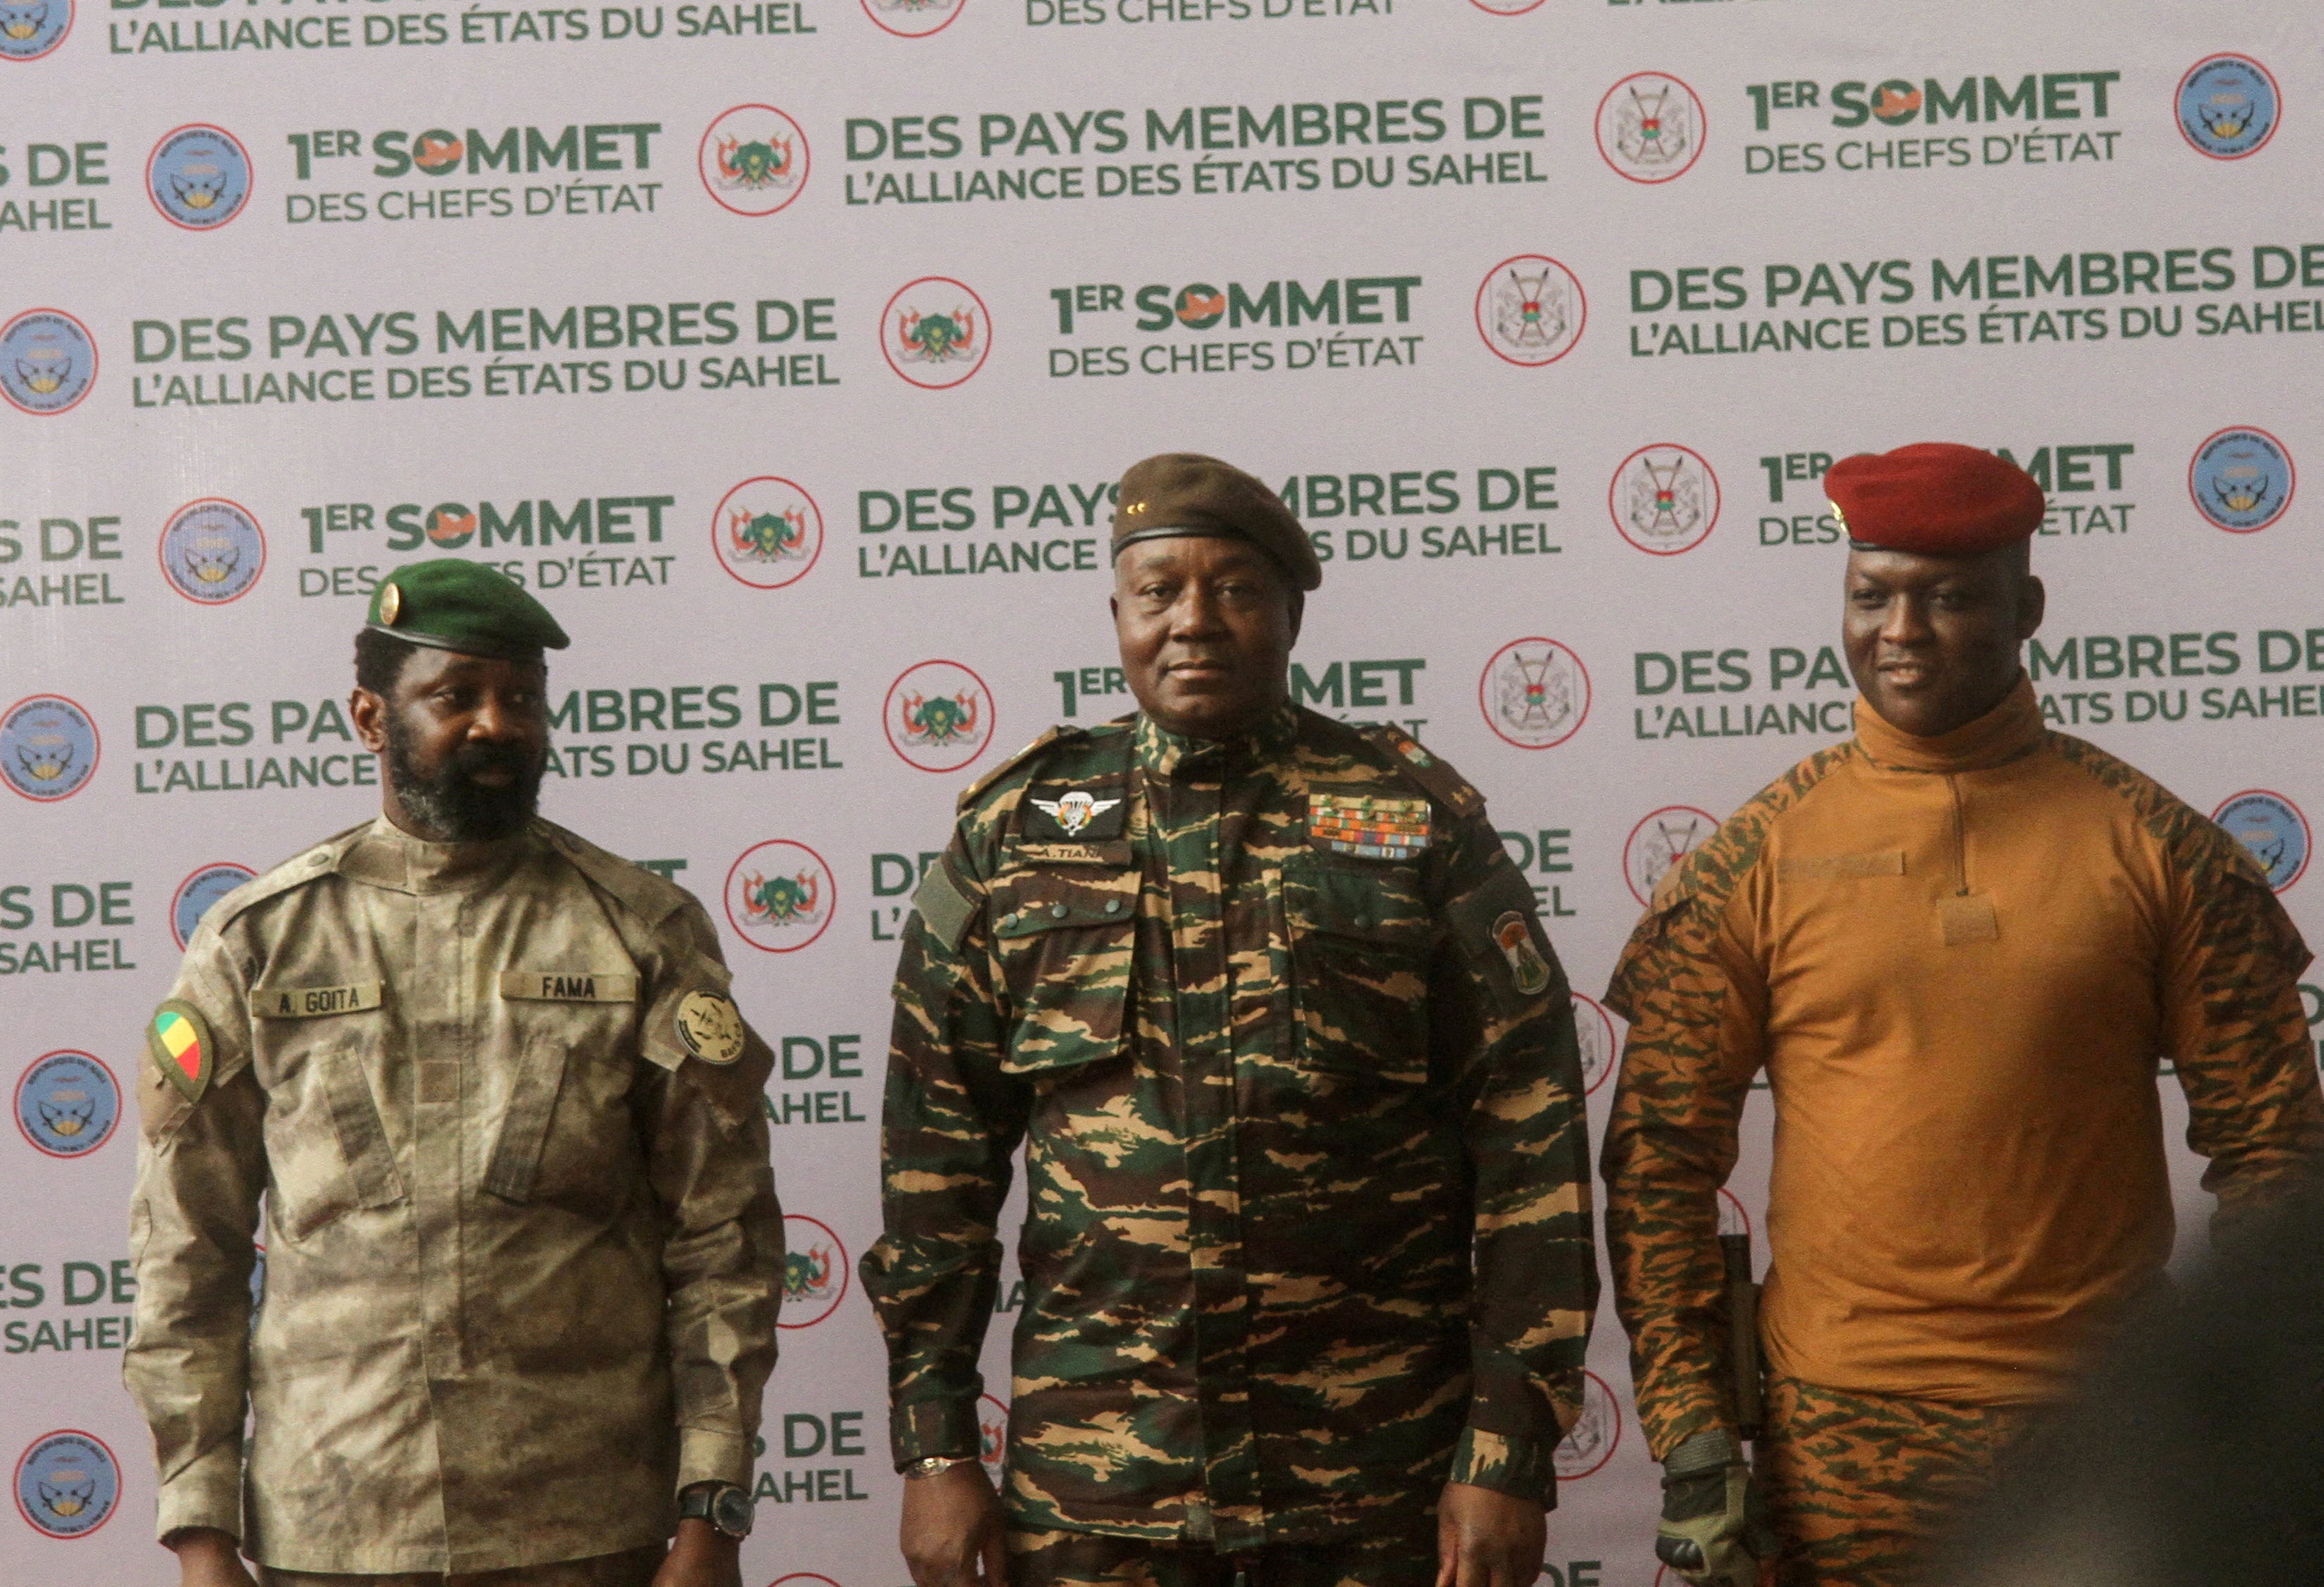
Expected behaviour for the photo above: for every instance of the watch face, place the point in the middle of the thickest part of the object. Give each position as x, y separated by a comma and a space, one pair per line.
732, 1512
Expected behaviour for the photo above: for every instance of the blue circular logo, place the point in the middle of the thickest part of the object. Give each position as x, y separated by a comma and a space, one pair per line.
212, 550
48, 361
2227, 106
2241, 479
30, 29
68, 1484
198, 176
198, 892
48, 748
2272, 829
67, 1104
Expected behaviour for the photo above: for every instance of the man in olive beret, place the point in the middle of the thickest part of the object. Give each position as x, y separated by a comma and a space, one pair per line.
523, 1254
1308, 1262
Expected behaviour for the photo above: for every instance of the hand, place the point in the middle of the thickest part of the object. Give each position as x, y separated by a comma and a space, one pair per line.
206, 1558
1486, 1538
952, 1527
1715, 1531
702, 1556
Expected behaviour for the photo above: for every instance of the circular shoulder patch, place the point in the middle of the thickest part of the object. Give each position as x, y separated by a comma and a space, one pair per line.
710, 1025
180, 1039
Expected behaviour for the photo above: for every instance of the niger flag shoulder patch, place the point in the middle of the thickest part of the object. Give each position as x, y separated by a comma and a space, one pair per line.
180, 1039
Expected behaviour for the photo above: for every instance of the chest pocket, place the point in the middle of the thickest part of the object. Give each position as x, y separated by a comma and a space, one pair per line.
1360, 939
1064, 936
565, 1137
327, 1151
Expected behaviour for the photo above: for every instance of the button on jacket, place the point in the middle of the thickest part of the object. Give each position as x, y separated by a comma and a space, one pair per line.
522, 1250
1285, 1045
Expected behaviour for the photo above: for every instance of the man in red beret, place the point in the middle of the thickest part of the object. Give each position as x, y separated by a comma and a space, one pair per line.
1957, 944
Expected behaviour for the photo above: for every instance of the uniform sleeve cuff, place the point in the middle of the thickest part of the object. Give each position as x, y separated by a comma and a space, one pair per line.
934, 1428
1521, 1468
206, 1492
708, 1455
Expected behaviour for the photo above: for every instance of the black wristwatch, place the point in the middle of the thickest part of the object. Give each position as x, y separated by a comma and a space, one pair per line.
722, 1504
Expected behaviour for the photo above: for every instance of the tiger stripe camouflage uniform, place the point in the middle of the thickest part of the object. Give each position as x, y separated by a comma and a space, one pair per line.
1281, 1031
1957, 960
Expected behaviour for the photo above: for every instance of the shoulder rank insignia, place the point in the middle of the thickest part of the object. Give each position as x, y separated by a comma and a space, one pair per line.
710, 1025
180, 1040
1369, 826
1527, 967
1074, 811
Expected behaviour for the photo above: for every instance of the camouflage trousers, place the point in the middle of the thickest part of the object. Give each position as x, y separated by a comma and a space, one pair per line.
1858, 1483
1040, 1557
632, 1568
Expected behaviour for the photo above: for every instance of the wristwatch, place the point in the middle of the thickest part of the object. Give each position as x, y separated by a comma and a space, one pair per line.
726, 1506
937, 1465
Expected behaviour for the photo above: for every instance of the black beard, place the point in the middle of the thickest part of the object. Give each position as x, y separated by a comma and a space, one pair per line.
451, 803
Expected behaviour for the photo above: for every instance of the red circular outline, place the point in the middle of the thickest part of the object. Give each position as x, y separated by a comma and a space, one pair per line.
846, 1276
1689, 809
163, 561
1719, 493
95, 736
717, 546
932, 33
1741, 1211
2288, 804
1478, 310
16, 1483
1613, 1400
1589, 690
889, 734
72, 15
998, 1406
250, 174
1702, 117
2274, 87
1494, 11
726, 903
1613, 1043
2289, 468
807, 153
247, 874
95, 362
16, 1102
981, 308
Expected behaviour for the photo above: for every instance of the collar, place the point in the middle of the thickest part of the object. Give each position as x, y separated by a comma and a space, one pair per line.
1164, 753
385, 856
2010, 731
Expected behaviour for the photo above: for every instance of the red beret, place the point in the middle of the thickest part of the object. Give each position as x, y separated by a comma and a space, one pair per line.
1934, 499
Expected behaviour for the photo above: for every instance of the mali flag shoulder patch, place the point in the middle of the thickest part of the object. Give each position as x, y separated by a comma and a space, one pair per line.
180, 1040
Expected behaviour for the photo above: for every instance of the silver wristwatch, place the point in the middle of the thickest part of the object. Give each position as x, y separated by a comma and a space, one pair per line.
937, 1465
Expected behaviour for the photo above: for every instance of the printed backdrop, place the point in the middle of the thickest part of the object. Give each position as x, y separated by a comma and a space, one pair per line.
788, 348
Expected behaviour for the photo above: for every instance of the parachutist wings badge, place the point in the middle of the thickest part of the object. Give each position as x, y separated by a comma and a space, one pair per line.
1074, 811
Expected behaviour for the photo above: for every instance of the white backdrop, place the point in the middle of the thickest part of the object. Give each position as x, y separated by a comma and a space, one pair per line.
787, 347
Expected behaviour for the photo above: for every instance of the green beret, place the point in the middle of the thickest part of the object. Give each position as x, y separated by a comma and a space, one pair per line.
1186, 494
452, 603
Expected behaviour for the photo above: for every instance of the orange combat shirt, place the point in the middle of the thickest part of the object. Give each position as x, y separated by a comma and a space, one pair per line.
1959, 960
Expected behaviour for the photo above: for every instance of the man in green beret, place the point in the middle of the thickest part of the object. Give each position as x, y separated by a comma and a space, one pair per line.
1308, 1253
522, 1252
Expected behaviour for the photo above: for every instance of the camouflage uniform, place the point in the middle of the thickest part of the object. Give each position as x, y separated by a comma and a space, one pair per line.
523, 1247
1957, 960
1281, 1033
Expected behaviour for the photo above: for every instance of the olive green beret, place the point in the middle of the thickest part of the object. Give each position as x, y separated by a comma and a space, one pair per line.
451, 604
1186, 494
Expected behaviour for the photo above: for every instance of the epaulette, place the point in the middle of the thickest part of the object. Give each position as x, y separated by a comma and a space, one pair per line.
977, 790
1435, 775
651, 899
308, 865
